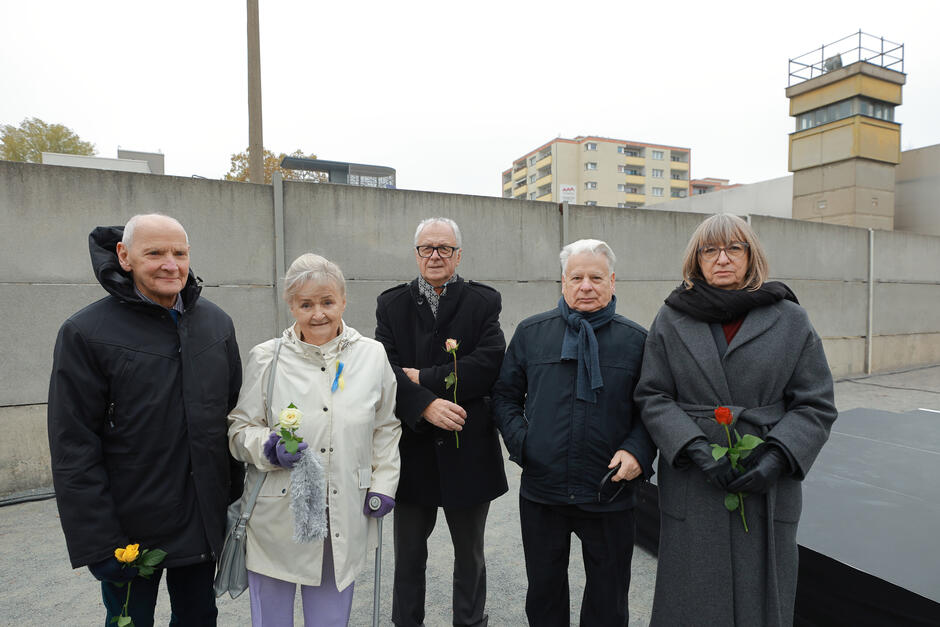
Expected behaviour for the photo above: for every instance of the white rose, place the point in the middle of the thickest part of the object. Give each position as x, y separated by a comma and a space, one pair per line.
290, 418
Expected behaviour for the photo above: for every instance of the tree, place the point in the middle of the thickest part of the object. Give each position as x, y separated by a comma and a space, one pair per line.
272, 163
33, 137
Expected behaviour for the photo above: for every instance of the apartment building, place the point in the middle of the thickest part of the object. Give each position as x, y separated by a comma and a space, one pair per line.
710, 184
589, 170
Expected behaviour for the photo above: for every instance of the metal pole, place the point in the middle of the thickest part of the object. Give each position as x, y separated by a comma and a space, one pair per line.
255, 143
871, 300
374, 504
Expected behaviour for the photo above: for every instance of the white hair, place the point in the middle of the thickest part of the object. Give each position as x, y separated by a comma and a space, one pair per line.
128, 237
312, 268
429, 221
592, 246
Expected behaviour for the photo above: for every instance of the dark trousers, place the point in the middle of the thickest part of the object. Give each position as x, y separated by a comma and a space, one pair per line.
607, 549
413, 527
192, 601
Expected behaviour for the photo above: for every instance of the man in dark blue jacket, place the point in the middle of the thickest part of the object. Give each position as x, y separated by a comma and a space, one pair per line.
564, 406
142, 383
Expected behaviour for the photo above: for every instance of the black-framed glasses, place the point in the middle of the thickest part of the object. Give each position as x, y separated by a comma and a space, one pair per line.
445, 252
734, 250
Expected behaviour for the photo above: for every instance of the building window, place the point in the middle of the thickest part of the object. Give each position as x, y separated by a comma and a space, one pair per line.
590, 185
625, 169
677, 176
590, 165
657, 174
591, 203
678, 193
590, 146
701, 190
658, 154
678, 158
657, 191
532, 160
531, 195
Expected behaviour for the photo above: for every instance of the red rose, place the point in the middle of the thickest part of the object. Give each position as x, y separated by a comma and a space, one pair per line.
723, 416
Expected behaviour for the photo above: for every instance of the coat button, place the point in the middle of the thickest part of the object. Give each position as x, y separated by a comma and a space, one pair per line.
322, 369
323, 450
283, 490
337, 535
326, 409
331, 449
334, 491
439, 441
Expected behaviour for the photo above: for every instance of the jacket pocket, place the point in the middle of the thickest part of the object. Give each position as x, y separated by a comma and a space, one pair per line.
789, 503
673, 489
276, 484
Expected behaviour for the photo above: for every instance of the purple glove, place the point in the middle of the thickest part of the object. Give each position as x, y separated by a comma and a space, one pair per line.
385, 505
275, 452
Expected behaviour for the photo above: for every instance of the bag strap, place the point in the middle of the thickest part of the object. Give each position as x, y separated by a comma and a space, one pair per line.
256, 489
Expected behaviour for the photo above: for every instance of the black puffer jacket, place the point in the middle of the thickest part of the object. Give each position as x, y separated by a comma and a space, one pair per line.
562, 443
137, 420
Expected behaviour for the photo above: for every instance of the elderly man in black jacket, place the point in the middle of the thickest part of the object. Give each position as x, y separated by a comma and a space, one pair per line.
142, 382
564, 405
450, 453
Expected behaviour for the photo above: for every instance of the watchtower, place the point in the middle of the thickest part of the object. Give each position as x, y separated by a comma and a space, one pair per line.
846, 143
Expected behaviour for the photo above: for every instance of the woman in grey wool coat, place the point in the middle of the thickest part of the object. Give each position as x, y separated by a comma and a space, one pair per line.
728, 338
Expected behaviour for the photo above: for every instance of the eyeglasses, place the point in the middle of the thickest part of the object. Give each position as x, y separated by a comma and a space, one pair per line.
445, 252
734, 250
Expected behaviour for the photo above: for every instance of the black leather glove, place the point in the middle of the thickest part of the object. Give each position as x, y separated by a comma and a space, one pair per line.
718, 471
764, 466
109, 569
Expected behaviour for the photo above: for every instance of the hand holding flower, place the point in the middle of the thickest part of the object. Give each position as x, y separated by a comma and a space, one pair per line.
132, 560
733, 453
276, 452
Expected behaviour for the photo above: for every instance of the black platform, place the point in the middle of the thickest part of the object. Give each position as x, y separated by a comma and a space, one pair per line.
869, 535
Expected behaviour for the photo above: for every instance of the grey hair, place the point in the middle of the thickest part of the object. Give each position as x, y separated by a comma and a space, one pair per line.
429, 221
311, 268
128, 237
593, 246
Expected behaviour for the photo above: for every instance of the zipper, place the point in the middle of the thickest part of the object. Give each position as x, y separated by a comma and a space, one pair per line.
111, 414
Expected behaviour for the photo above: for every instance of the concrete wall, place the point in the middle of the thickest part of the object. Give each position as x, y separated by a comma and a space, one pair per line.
766, 198
47, 212
917, 191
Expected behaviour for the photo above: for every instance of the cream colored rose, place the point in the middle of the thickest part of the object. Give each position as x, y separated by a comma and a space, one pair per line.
450, 345
290, 418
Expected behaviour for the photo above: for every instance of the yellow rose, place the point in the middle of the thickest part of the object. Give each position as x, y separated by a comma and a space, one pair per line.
127, 554
450, 345
290, 418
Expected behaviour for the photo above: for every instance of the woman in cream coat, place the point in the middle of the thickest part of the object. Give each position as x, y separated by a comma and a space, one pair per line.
345, 388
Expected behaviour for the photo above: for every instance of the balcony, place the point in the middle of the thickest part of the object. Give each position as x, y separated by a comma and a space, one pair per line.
507, 185
678, 183
520, 192
640, 161
634, 179
679, 165
544, 180
635, 199
544, 161
519, 174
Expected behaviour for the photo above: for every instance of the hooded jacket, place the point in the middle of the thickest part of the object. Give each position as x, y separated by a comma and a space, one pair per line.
137, 420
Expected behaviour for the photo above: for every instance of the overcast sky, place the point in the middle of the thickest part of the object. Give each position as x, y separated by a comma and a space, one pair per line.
447, 93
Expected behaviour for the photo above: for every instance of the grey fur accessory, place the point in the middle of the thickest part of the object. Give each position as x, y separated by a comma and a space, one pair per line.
308, 499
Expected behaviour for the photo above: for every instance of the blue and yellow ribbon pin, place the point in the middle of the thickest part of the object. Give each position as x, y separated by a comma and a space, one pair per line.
338, 380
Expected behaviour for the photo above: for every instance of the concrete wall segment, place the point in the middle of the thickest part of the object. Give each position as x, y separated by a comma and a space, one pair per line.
806, 250
907, 257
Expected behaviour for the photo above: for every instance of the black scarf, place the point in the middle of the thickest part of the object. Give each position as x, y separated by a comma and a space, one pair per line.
580, 343
712, 304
